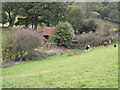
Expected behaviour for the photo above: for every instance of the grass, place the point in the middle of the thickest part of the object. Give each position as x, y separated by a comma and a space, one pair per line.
97, 68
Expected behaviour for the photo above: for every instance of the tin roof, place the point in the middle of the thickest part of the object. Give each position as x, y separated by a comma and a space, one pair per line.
47, 31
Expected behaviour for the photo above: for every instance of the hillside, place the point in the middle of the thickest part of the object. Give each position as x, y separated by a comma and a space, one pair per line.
97, 68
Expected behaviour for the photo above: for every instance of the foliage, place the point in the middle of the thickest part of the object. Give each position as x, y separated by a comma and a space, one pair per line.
10, 12
94, 39
23, 22
88, 26
62, 35
88, 38
104, 30
113, 15
49, 13
107, 10
75, 18
7, 51
104, 12
110, 11
21, 45
4, 18
38, 55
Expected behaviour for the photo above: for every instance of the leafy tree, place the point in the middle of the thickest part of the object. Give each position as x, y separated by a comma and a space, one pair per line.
89, 7
62, 35
104, 12
89, 26
55, 12
29, 13
4, 18
110, 11
75, 18
105, 3
23, 21
10, 12
113, 15
42, 12
25, 17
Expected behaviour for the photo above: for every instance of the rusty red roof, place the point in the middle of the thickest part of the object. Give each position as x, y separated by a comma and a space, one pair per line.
47, 31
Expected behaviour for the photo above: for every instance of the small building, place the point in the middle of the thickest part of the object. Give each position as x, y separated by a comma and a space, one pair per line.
47, 31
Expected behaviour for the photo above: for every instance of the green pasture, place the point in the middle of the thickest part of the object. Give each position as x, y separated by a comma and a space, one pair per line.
97, 68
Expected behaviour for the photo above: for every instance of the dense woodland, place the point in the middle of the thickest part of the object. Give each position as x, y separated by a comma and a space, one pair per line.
50, 13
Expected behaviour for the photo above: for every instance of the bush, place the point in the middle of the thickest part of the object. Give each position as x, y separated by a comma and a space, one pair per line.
20, 45
95, 40
104, 30
88, 38
7, 51
37, 55
62, 35
88, 26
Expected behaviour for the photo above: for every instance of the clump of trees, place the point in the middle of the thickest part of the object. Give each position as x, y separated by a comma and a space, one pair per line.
33, 13
80, 23
110, 11
50, 13
89, 25
75, 18
10, 11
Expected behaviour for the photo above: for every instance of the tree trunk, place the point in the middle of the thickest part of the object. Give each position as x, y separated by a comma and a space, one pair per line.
2, 25
48, 24
32, 25
26, 23
11, 20
36, 23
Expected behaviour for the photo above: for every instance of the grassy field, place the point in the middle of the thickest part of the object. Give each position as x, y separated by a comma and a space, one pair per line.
97, 68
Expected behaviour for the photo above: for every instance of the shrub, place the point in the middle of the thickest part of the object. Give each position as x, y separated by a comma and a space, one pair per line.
7, 51
62, 35
95, 40
104, 30
37, 55
21, 44
88, 38
88, 26
114, 38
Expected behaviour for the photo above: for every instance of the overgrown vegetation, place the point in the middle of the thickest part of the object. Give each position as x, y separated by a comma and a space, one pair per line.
95, 39
20, 45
